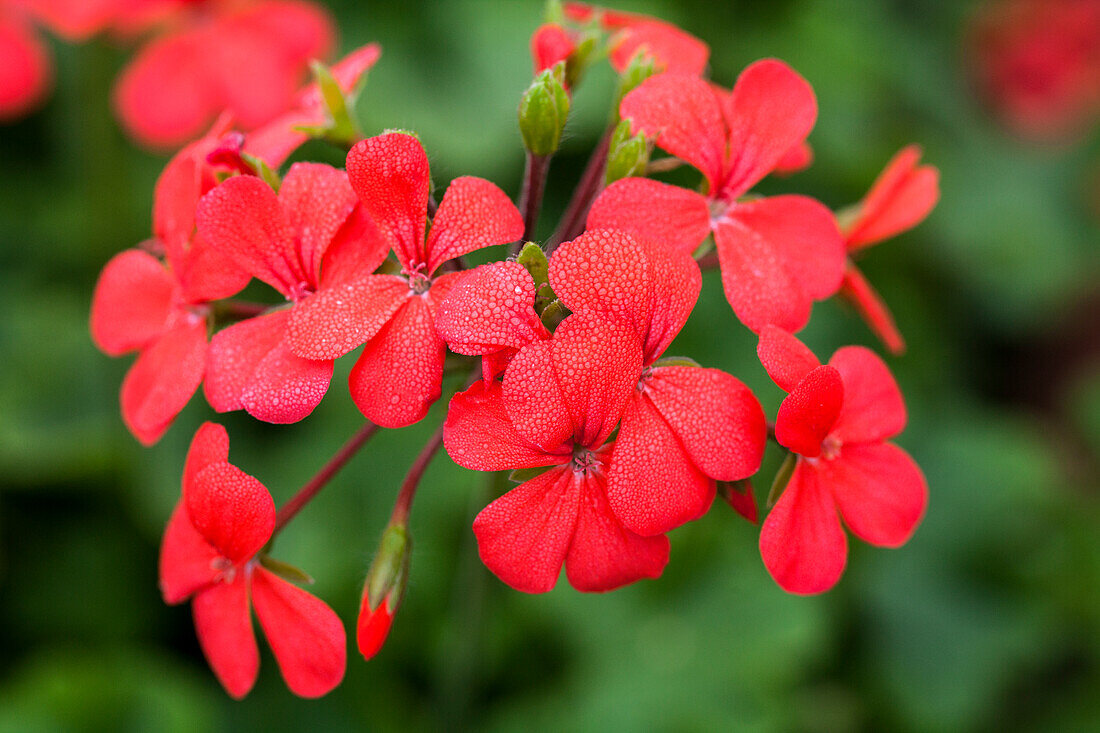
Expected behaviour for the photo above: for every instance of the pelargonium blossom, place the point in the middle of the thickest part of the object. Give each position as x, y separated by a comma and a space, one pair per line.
670, 48
309, 239
837, 418
777, 254
557, 406
161, 309
210, 554
398, 376
899, 199
26, 70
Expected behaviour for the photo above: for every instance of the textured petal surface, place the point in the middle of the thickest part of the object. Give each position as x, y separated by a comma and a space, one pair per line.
317, 200
474, 213
857, 291
335, 320
772, 109
210, 445
671, 48
234, 354
357, 250
786, 359
650, 210
524, 536
873, 406
284, 387
717, 418
757, 284
398, 375
304, 634
162, 380
802, 543
900, 198
132, 302
810, 411
534, 401
653, 486
604, 554
185, 559
232, 510
479, 435
489, 309
390, 175
686, 119
223, 623
880, 491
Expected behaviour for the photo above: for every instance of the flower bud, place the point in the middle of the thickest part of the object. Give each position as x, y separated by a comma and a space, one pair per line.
384, 589
640, 68
739, 495
627, 155
339, 127
543, 111
534, 260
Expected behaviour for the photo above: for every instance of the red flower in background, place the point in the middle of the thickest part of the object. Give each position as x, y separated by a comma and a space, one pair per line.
309, 239
209, 555
559, 403
670, 48
26, 71
398, 375
161, 311
837, 418
682, 426
777, 254
217, 55
899, 199
550, 44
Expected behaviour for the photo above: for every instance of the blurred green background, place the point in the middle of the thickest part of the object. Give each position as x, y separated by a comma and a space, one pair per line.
989, 619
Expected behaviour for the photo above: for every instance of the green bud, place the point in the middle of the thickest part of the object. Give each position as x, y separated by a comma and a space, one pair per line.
534, 260
543, 111
627, 155
554, 314
389, 572
581, 58
638, 70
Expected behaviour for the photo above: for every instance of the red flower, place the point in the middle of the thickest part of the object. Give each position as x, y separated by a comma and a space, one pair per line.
900, 198
798, 158
398, 375
550, 44
222, 56
777, 254
683, 426
25, 68
308, 240
837, 418
77, 20
141, 305
559, 402
670, 48
210, 555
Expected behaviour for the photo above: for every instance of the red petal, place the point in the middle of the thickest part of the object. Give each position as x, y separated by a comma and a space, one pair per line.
524, 536
786, 359
798, 158
302, 30
336, 320
742, 503
286, 388
399, 374
132, 302
210, 445
317, 200
880, 491
390, 175
549, 45
232, 510
802, 543
162, 380
653, 486
772, 109
479, 435
857, 291
873, 406
373, 627
207, 274
223, 623
473, 214
607, 271
491, 308
252, 75
682, 113
661, 213
234, 354
716, 418
358, 249
186, 559
304, 634
900, 198
25, 67
754, 275
243, 218
73, 20
349, 70
809, 413
671, 48
534, 400
604, 554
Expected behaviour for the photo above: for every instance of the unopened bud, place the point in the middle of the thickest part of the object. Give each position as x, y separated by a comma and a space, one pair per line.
384, 589
339, 127
627, 155
534, 260
739, 495
640, 68
543, 111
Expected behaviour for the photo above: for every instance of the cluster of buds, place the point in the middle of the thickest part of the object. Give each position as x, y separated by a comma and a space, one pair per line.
612, 442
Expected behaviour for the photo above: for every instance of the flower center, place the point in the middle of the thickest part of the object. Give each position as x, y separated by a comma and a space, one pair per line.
830, 447
584, 460
300, 291
418, 280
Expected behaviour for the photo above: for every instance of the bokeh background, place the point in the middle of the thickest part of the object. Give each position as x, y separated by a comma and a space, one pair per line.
989, 619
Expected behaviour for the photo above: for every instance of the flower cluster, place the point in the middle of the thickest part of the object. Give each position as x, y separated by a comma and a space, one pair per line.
612, 441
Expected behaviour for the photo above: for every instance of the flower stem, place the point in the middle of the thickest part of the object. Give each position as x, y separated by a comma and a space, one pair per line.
403, 504
322, 477
590, 185
530, 197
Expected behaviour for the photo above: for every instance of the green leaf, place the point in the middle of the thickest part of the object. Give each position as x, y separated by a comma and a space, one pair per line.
285, 570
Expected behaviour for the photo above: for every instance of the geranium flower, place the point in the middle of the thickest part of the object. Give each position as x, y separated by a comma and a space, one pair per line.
160, 308
837, 419
210, 555
26, 71
777, 254
246, 58
309, 239
671, 48
558, 404
899, 199
398, 375
683, 426
551, 44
